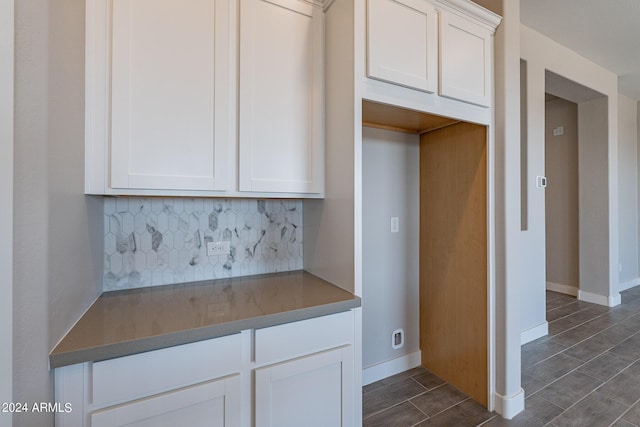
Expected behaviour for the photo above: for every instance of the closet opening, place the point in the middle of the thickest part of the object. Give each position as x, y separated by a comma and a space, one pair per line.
430, 174
576, 199
561, 195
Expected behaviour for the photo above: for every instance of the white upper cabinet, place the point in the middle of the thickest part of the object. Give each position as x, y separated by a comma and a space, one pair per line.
281, 96
402, 43
157, 94
442, 50
466, 55
204, 98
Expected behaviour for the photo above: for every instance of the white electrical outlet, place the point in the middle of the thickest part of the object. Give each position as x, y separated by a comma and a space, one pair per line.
218, 248
397, 339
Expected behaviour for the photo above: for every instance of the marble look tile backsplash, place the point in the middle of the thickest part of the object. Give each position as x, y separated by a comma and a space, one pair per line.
158, 241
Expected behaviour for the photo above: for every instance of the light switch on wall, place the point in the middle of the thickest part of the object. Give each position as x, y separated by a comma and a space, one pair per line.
395, 224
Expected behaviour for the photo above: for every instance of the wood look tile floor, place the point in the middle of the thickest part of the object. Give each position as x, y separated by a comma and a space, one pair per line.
585, 373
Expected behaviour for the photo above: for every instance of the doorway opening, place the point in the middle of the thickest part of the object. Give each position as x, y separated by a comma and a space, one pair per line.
576, 223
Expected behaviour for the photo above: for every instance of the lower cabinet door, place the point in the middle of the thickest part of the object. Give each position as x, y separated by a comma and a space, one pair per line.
312, 391
215, 403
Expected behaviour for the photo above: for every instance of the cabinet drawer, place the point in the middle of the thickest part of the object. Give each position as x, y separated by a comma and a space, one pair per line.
145, 374
304, 337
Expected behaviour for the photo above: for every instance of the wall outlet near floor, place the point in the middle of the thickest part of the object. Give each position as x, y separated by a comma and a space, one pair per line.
218, 248
397, 339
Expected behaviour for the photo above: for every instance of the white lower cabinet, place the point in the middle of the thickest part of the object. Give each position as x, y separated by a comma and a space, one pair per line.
304, 373
212, 404
295, 374
310, 391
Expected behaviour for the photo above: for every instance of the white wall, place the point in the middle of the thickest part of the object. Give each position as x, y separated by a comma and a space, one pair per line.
628, 190
593, 124
57, 249
533, 319
561, 194
76, 226
390, 264
638, 163
542, 55
329, 224
6, 213
32, 381
509, 396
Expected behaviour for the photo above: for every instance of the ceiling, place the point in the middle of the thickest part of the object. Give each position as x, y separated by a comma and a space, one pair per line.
605, 32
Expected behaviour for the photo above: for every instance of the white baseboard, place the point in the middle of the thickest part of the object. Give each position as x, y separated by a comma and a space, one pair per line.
629, 284
391, 367
510, 406
563, 289
534, 333
610, 301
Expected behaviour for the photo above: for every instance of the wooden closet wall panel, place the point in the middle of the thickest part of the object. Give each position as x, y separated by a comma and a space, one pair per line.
453, 256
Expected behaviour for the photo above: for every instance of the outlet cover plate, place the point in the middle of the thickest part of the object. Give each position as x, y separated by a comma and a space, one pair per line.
218, 248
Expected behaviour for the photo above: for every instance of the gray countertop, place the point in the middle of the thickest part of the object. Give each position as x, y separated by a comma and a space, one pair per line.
132, 321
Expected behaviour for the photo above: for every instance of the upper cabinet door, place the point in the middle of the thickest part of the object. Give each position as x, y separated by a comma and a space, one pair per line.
465, 60
161, 102
281, 97
402, 45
